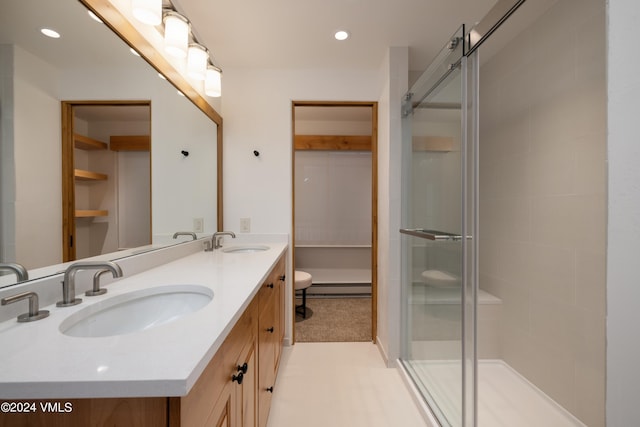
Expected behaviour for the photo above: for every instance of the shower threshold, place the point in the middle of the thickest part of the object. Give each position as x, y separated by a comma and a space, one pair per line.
505, 398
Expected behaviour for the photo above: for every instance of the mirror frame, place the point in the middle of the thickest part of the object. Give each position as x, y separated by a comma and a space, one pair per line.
119, 24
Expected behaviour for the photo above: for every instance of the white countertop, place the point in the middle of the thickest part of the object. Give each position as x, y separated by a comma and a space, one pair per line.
38, 361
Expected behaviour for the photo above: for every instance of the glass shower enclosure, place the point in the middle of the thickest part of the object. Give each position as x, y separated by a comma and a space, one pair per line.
438, 262
515, 335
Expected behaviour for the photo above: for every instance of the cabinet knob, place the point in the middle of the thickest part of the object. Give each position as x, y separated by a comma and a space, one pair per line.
281, 278
243, 368
269, 389
270, 285
238, 378
270, 329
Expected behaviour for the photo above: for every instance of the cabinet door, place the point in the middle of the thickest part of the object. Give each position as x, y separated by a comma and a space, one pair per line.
246, 398
266, 372
222, 414
280, 308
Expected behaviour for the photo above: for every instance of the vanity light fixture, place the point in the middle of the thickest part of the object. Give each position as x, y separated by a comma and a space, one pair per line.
213, 82
176, 34
341, 35
50, 33
197, 59
180, 43
147, 11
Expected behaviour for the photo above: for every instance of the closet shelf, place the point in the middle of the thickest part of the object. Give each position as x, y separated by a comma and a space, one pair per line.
85, 143
130, 143
84, 175
90, 213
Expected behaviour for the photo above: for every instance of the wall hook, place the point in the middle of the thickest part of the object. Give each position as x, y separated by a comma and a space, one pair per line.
256, 153
185, 153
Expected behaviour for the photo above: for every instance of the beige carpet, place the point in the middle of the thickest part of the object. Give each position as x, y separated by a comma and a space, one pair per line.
335, 320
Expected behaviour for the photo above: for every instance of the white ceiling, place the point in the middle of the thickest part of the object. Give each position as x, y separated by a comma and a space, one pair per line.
299, 33
83, 43
260, 33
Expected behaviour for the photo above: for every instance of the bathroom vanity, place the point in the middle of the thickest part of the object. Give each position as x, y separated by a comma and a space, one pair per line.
215, 366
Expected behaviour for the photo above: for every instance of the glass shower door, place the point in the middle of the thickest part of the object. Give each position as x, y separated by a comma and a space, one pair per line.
433, 252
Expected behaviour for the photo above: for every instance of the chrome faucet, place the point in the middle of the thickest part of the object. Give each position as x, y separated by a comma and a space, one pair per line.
185, 233
34, 312
216, 239
18, 269
69, 282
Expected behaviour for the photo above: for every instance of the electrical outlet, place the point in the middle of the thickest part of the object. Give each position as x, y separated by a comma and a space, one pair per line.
198, 225
245, 225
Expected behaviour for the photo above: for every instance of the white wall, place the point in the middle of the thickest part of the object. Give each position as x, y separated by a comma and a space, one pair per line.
623, 292
333, 198
394, 73
7, 155
38, 161
257, 110
543, 202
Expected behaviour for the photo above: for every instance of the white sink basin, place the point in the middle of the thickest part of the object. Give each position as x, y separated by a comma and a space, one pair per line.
245, 249
136, 311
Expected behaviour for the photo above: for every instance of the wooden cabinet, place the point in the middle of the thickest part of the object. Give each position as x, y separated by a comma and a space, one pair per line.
270, 337
225, 392
234, 390
253, 348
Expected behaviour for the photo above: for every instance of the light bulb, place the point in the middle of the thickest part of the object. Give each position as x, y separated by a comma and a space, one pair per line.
176, 34
147, 11
213, 82
341, 35
197, 58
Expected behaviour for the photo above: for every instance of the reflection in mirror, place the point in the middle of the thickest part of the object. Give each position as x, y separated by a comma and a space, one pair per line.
106, 168
88, 62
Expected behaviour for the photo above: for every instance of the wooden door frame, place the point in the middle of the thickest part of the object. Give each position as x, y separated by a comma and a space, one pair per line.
374, 203
68, 180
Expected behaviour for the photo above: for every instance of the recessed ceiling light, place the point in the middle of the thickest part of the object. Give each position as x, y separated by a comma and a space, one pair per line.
132, 50
94, 16
341, 35
50, 33
162, 76
180, 93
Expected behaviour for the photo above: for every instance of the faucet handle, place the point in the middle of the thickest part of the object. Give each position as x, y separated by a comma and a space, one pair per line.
185, 233
96, 285
16, 268
34, 312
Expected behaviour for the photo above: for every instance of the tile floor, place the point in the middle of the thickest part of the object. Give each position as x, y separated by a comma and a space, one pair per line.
340, 385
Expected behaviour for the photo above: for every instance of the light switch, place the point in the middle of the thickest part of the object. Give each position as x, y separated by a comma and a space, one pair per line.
198, 225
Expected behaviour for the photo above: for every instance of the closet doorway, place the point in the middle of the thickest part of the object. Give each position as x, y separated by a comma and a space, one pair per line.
334, 152
106, 169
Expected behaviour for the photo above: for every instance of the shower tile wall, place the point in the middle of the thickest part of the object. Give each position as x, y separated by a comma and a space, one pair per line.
333, 198
543, 202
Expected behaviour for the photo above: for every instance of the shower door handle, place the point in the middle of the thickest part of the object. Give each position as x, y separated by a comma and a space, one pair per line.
431, 234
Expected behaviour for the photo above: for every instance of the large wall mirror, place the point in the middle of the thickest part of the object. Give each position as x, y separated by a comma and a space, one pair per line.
90, 63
